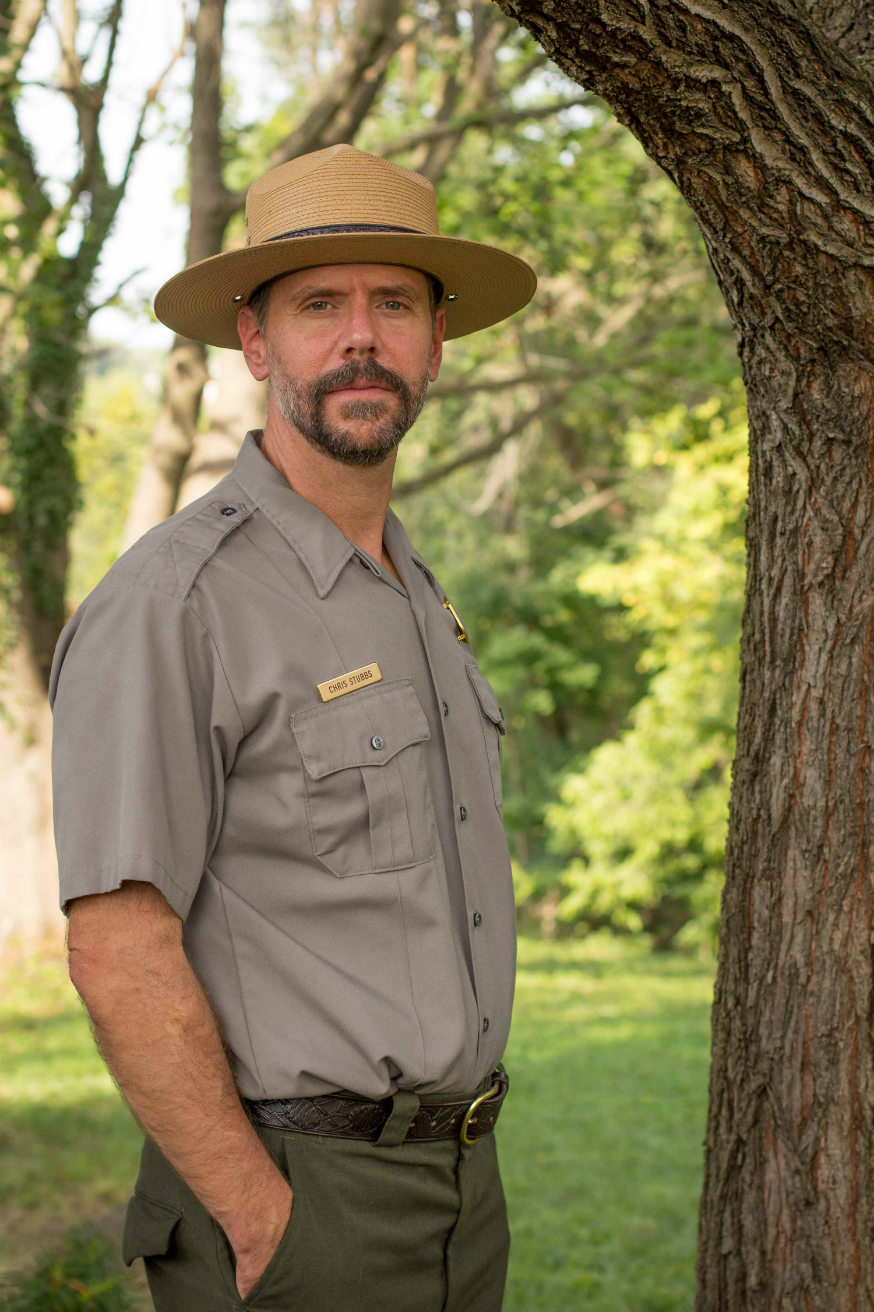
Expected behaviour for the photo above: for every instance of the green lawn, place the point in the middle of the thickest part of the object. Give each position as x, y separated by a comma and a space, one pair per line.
600, 1139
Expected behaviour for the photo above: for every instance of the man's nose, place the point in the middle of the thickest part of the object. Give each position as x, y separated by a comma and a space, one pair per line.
359, 331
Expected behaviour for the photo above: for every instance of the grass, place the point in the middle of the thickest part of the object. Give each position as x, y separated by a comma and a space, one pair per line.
599, 1140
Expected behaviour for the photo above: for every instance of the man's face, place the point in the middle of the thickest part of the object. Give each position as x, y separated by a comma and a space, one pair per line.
349, 350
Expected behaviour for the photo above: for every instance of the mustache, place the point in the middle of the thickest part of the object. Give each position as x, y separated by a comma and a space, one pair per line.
354, 371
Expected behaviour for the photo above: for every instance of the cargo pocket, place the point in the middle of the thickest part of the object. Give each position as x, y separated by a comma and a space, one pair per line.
367, 797
148, 1229
492, 721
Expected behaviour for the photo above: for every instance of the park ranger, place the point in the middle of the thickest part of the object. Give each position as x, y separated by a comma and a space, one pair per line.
277, 774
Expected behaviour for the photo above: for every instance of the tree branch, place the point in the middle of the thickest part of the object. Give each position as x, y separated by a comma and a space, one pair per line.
148, 100
374, 38
21, 33
480, 119
465, 387
597, 501
484, 450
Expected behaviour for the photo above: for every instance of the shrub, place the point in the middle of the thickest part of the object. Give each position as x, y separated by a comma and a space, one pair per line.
82, 1272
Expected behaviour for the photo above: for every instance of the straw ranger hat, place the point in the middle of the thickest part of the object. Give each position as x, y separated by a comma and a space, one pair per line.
343, 206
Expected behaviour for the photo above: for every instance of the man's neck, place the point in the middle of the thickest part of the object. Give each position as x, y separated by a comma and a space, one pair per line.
354, 497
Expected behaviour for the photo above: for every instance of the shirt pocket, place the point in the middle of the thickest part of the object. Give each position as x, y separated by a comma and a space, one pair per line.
367, 797
492, 722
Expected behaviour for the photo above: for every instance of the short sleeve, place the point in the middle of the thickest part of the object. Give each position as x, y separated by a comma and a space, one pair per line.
145, 731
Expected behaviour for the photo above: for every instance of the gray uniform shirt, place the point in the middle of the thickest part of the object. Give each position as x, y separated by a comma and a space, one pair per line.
340, 866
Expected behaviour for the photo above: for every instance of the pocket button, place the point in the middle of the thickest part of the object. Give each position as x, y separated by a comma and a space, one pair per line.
377, 743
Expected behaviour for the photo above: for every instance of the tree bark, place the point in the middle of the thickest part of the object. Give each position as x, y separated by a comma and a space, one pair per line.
766, 124
239, 403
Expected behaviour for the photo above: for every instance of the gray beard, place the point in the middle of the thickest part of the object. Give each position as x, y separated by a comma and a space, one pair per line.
303, 406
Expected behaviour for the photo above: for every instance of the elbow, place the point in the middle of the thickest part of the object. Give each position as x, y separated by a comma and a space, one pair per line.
89, 970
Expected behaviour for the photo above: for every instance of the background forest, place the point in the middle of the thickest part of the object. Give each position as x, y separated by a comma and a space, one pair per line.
577, 479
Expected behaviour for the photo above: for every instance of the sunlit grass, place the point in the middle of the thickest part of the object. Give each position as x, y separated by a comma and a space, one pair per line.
68, 1146
599, 1140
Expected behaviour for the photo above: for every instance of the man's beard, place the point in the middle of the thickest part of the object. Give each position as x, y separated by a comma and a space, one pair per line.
303, 406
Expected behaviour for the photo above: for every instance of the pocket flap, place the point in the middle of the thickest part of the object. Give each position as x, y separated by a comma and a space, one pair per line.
340, 734
148, 1229
485, 695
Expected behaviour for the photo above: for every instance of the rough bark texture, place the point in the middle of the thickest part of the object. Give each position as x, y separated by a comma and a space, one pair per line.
763, 115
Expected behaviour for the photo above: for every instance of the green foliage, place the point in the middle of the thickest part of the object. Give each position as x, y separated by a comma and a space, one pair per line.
115, 421
52, 232
39, 467
82, 1273
644, 820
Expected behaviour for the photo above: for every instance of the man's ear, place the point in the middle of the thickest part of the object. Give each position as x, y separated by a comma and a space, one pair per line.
437, 344
254, 346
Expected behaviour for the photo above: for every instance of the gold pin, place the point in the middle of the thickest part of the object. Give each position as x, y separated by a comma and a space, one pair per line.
350, 682
462, 631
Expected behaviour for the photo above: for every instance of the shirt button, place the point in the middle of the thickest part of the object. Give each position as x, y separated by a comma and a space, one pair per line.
462, 811
485, 1023
377, 743
477, 920
446, 708
228, 510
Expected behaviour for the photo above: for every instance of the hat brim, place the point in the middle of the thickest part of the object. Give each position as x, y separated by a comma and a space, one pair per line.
488, 285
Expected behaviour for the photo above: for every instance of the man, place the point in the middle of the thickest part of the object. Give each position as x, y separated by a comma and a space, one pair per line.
278, 807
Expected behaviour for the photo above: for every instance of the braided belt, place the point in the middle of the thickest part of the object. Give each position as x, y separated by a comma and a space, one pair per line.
349, 1118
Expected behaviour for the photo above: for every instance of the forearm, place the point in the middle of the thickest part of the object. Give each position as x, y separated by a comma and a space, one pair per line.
159, 1037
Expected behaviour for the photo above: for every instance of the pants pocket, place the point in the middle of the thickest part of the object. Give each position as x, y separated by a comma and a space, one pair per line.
148, 1229
272, 1289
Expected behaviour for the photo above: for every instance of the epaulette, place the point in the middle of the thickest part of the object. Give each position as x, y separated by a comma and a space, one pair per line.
177, 562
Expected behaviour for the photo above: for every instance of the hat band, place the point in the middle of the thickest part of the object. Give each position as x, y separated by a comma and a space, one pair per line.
330, 228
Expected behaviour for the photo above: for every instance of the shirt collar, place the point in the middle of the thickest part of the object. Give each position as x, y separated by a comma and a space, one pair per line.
321, 546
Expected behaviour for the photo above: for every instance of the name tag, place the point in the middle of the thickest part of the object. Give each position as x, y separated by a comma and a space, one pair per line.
349, 682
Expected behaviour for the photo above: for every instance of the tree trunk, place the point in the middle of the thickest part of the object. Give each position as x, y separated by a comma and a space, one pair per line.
767, 128
28, 866
239, 403
160, 478
212, 205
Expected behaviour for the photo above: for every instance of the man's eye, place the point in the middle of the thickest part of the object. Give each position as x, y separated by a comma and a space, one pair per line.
394, 305
318, 305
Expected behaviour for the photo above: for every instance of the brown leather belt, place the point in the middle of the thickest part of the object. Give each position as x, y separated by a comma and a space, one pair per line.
337, 1117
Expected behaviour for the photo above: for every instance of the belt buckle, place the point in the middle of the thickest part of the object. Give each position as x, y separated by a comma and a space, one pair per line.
470, 1118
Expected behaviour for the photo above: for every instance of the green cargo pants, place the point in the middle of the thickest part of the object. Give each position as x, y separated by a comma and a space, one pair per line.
375, 1227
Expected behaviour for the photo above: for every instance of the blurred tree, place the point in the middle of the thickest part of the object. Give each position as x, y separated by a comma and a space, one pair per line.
645, 819
762, 111
52, 233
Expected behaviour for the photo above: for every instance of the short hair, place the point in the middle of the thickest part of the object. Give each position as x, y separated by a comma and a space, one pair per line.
259, 301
